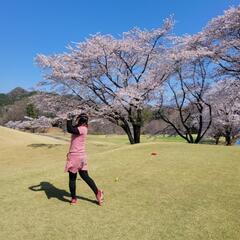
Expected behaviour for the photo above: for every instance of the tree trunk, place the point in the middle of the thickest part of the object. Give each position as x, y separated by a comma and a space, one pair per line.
136, 133
127, 130
217, 140
200, 126
228, 139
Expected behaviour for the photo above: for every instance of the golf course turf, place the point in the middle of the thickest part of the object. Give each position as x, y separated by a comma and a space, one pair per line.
182, 191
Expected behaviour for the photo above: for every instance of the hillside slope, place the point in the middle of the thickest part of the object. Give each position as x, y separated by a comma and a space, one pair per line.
14, 137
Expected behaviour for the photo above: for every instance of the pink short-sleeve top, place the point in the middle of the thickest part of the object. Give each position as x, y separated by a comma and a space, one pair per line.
78, 141
77, 157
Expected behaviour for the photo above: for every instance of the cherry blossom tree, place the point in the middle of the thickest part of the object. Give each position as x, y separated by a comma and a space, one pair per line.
40, 125
114, 78
219, 44
56, 105
219, 41
222, 37
225, 101
183, 102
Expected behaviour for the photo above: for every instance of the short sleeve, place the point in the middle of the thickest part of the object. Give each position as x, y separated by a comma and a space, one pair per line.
82, 130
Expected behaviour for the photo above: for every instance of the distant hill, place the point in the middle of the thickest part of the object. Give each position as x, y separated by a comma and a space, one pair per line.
13, 104
14, 95
4, 99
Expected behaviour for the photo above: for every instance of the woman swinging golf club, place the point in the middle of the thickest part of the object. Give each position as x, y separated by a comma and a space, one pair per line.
77, 158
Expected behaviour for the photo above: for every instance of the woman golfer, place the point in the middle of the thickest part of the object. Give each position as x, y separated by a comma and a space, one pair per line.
77, 158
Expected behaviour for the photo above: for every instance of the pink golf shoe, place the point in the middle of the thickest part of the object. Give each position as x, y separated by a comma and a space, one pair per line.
99, 197
73, 201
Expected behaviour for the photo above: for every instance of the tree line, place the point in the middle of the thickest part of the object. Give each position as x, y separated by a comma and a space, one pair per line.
191, 81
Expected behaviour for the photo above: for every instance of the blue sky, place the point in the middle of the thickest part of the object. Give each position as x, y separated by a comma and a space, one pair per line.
28, 27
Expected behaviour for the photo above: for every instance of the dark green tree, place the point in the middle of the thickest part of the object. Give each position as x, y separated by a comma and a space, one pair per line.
31, 111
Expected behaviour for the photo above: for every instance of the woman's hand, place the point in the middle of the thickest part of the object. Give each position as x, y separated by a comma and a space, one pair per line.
70, 115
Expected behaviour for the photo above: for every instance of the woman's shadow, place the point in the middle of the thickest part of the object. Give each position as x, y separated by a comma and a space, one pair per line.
52, 192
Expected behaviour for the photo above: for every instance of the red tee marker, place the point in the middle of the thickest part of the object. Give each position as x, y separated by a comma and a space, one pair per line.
153, 154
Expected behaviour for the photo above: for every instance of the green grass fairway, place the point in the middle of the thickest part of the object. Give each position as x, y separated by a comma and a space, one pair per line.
185, 192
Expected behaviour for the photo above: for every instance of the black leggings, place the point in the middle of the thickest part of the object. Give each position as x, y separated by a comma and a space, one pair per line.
84, 175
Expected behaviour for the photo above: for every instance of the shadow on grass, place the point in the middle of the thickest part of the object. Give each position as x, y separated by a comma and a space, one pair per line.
53, 192
37, 145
